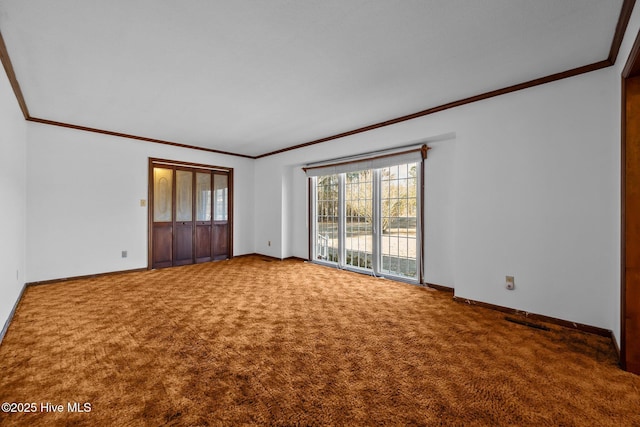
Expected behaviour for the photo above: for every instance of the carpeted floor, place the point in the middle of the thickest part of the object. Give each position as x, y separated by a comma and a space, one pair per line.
251, 341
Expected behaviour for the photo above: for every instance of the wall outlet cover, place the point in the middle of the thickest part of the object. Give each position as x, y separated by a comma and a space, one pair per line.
510, 283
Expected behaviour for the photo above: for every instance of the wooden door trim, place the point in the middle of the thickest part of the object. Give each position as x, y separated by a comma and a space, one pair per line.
150, 215
230, 213
188, 165
195, 167
631, 70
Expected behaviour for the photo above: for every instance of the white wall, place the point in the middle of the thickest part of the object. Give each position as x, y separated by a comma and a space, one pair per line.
268, 217
529, 187
439, 215
84, 191
537, 197
13, 197
633, 29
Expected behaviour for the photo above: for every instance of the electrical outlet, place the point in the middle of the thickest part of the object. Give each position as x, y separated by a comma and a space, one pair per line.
510, 283
269, 243
143, 203
124, 254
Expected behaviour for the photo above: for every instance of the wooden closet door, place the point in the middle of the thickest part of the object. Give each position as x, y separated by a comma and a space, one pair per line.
190, 220
184, 223
221, 246
204, 208
162, 230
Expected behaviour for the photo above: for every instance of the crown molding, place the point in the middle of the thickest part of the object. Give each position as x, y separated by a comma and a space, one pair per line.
8, 68
139, 138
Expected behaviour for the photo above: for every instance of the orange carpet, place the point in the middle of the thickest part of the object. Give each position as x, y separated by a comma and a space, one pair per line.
257, 342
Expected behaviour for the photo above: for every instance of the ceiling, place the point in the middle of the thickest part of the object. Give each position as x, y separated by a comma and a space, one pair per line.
251, 77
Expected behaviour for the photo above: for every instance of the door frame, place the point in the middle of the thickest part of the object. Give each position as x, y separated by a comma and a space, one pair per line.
376, 267
153, 161
628, 244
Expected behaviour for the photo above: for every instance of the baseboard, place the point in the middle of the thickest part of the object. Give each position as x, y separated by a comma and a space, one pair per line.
93, 276
88, 276
294, 258
245, 255
255, 254
439, 287
12, 313
542, 318
614, 341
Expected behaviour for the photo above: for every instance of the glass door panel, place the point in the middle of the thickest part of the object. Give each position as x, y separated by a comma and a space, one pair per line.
358, 200
399, 204
326, 226
184, 202
203, 217
203, 196
221, 190
162, 195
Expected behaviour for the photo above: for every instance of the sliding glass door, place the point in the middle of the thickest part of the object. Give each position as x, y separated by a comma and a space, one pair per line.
399, 203
368, 220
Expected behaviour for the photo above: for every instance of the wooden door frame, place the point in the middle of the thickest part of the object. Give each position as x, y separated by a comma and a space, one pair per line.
631, 70
153, 161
